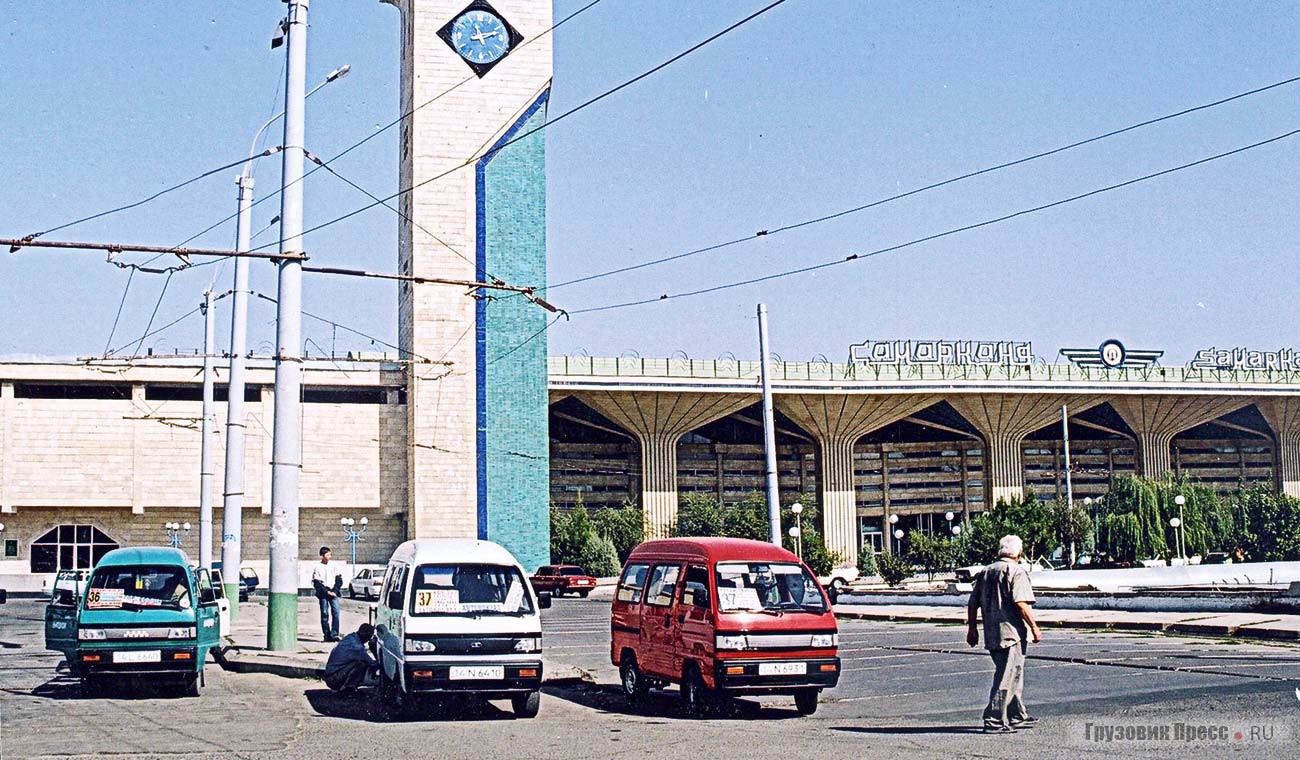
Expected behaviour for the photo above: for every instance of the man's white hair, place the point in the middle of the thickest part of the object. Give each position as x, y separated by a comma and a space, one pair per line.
1010, 546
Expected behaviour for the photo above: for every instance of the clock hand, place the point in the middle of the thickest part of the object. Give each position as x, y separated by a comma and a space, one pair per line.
482, 36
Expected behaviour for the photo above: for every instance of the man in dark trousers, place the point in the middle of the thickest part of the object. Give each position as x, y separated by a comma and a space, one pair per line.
327, 582
350, 664
1003, 594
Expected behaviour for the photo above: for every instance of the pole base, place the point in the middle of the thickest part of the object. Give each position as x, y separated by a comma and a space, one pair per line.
231, 590
282, 622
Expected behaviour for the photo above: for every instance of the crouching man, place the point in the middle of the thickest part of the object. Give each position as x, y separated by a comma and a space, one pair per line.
350, 664
1002, 595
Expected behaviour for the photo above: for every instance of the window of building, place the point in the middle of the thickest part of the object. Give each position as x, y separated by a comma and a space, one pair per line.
70, 547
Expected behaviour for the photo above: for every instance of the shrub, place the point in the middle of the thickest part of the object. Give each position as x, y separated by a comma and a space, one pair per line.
599, 557
867, 562
894, 569
570, 532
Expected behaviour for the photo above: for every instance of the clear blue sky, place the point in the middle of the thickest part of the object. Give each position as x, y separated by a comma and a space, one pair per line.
815, 107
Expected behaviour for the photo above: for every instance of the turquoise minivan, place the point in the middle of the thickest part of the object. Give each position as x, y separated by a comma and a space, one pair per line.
143, 613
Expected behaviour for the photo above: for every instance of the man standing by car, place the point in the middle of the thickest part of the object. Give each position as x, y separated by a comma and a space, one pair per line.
327, 582
1003, 593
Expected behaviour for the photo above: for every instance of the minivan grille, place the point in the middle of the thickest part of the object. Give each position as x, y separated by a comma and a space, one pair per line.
473, 645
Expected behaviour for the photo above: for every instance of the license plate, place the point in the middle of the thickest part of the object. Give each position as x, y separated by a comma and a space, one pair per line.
491, 673
782, 668
144, 655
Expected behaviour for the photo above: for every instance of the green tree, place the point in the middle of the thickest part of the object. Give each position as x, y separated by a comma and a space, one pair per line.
930, 553
1274, 520
1071, 526
571, 530
624, 526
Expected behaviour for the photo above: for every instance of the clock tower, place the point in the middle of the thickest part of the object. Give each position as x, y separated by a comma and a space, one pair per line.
474, 83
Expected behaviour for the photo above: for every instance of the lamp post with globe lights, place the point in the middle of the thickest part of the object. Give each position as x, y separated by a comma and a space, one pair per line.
174, 532
890, 530
797, 531
1181, 527
352, 535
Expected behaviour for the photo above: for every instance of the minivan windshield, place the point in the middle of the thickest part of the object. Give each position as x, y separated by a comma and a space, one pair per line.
469, 590
137, 587
767, 586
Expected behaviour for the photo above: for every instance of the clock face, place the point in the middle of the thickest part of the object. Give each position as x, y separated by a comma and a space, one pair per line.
480, 36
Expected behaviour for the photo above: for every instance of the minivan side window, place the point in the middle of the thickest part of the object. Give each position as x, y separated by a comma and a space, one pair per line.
632, 584
397, 587
696, 587
663, 585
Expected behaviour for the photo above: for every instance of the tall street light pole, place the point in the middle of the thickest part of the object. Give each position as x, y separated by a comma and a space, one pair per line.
232, 505
769, 430
208, 442
286, 447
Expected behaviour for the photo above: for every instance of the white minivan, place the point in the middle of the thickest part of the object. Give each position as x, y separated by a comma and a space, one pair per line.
458, 615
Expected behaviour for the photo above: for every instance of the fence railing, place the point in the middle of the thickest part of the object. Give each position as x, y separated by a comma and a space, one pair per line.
731, 369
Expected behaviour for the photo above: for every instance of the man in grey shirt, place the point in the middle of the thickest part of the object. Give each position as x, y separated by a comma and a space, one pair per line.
1003, 594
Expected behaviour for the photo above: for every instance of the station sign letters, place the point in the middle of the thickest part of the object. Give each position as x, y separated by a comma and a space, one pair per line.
1283, 360
929, 352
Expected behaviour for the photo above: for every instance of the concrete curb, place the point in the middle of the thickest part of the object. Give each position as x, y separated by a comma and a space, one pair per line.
1218, 630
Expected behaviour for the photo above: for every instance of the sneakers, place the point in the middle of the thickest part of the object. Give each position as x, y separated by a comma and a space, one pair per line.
1026, 722
998, 728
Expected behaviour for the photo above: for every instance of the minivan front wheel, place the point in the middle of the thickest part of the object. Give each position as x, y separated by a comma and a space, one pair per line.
526, 705
805, 701
634, 683
695, 695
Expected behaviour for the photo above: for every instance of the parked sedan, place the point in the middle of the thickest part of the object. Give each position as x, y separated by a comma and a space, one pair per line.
366, 584
563, 579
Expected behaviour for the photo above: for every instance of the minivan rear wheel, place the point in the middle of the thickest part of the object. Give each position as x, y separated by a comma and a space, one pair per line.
526, 705
634, 683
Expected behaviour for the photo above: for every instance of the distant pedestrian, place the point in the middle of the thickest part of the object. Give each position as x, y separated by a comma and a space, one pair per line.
1002, 594
350, 664
327, 582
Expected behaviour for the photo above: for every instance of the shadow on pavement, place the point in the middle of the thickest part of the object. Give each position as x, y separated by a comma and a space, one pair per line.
609, 698
366, 705
67, 687
906, 730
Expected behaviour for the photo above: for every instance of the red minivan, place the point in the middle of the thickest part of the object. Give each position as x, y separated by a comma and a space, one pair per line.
722, 617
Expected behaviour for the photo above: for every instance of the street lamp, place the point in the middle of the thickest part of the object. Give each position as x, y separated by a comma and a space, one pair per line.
174, 532
956, 530
1180, 500
352, 535
797, 531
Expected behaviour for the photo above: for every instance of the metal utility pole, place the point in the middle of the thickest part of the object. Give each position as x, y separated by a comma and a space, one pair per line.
1069, 482
769, 430
286, 447
232, 493
208, 444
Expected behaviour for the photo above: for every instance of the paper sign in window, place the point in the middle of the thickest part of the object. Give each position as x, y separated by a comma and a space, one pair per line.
738, 599
104, 598
433, 600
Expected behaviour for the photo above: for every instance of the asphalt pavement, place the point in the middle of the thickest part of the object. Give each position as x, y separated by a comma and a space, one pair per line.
909, 690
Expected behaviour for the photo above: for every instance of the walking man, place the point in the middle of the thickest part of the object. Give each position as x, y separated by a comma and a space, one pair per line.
1002, 594
327, 582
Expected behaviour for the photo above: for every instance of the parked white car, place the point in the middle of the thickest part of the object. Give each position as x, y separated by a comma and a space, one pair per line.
366, 583
839, 579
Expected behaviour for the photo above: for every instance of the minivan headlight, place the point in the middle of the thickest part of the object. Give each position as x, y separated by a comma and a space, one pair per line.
530, 644
732, 642
420, 645
92, 634
825, 640
183, 632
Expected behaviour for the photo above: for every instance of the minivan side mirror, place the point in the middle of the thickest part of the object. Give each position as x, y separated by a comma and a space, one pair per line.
544, 600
